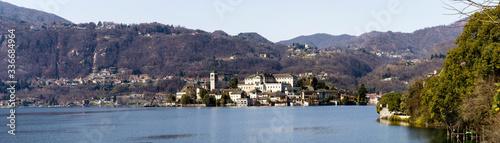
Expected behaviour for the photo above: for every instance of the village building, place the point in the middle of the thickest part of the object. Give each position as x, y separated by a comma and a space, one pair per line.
268, 82
242, 102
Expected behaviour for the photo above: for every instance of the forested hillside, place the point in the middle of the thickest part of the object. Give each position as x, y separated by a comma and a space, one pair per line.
410, 45
467, 91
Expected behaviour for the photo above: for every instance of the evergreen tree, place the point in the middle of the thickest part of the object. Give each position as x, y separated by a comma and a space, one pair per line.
361, 94
234, 83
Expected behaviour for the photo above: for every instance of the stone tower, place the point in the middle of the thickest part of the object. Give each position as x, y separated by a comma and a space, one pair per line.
213, 80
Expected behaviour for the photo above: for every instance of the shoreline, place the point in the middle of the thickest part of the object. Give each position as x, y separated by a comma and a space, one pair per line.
127, 106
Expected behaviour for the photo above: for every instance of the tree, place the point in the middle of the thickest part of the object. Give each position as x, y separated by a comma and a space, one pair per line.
234, 83
410, 102
203, 93
475, 57
171, 98
314, 82
302, 82
326, 100
225, 98
136, 72
25, 103
474, 6
209, 100
218, 102
361, 94
321, 85
332, 97
185, 99
393, 100
53, 101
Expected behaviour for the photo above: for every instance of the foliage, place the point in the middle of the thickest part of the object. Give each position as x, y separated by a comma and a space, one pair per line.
321, 85
218, 102
53, 101
203, 93
326, 100
378, 107
234, 83
393, 100
171, 98
312, 81
397, 118
441, 56
361, 94
209, 100
476, 107
464, 91
185, 99
225, 98
24, 103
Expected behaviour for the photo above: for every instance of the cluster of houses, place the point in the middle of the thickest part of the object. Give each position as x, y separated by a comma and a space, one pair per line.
112, 76
269, 90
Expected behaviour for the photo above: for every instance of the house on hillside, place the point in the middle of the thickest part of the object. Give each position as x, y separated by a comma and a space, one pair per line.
144, 76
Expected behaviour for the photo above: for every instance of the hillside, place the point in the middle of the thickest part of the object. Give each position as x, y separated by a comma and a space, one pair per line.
254, 37
69, 51
320, 40
66, 51
36, 17
409, 45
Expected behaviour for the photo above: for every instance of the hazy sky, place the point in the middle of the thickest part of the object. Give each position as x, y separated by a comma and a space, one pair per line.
274, 19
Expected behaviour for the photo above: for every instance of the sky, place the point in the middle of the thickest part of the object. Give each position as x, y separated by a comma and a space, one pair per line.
274, 19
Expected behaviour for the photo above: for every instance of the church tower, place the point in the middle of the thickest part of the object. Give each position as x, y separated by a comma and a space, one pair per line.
213, 80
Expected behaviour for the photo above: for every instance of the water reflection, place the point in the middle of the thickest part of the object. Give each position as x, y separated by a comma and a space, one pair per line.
393, 123
79, 112
313, 130
164, 137
416, 132
290, 124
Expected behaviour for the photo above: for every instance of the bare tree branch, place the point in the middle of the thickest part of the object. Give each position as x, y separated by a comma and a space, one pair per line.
473, 6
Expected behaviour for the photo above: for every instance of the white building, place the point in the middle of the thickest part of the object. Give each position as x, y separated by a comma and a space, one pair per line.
213, 80
235, 95
268, 82
244, 102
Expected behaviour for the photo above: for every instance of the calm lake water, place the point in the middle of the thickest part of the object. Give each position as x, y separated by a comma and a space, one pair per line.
191, 124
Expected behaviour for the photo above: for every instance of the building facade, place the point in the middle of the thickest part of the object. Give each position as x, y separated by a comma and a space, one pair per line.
268, 82
213, 80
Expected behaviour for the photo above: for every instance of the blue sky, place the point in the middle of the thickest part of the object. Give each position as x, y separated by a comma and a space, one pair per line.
274, 19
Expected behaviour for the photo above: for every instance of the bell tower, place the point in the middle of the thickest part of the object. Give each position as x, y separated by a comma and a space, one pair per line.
213, 80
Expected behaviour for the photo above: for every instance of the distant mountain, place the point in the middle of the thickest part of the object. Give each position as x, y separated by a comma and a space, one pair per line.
254, 37
320, 40
414, 45
36, 17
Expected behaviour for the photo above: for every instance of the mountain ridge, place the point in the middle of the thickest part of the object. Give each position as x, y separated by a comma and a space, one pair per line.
33, 16
418, 42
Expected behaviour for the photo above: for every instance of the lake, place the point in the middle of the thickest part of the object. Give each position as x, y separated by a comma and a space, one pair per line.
206, 124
